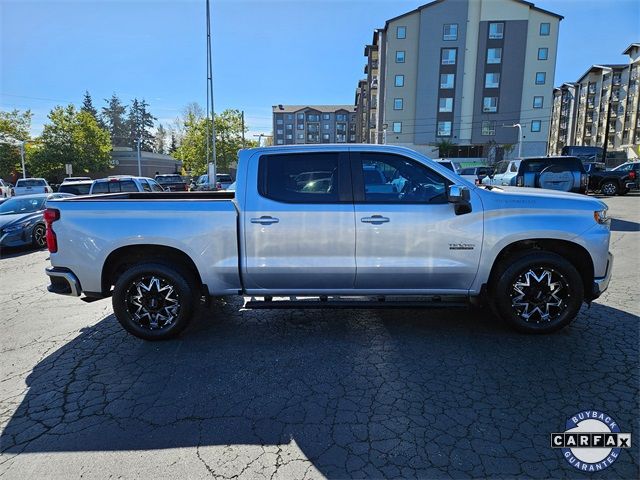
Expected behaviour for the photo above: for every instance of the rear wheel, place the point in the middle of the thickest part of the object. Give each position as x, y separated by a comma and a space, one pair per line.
609, 188
537, 292
154, 301
39, 236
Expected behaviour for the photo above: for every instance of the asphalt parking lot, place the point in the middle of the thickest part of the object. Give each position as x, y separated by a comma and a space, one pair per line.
310, 394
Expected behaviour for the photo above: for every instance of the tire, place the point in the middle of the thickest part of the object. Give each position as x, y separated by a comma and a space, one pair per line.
39, 236
609, 188
154, 301
537, 292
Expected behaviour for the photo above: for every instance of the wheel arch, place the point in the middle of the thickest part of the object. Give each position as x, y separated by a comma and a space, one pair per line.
119, 259
576, 254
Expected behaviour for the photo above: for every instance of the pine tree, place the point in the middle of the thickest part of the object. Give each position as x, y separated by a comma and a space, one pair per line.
160, 139
113, 117
87, 106
139, 123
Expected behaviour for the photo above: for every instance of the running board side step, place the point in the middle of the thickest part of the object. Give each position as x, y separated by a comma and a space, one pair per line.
374, 302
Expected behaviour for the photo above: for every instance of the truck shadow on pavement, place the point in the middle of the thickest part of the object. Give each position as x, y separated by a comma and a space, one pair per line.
370, 393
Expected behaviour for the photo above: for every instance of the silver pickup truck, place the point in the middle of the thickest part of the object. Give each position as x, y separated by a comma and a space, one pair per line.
333, 226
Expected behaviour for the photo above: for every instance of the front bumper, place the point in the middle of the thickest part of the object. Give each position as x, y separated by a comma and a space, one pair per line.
63, 281
602, 283
16, 238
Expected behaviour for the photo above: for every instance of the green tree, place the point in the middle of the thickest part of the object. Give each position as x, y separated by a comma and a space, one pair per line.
114, 119
73, 137
445, 147
139, 123
87, 106
14, 124
160, 139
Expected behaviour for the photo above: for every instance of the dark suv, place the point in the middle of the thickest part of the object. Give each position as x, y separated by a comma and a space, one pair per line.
613, 182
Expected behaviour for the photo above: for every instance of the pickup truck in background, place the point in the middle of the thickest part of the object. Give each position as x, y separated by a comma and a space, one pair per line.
610, 182
424, 237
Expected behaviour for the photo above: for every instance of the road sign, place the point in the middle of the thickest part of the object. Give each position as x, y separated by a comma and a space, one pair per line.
68, 168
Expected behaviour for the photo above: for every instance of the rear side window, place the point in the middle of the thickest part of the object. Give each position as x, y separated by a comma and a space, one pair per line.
299, 178
82, 189
127, 186
538, 164
100, 187
145, 185
115, 187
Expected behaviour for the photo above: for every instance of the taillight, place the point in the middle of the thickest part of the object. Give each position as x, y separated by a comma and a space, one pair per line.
50, 216
632, 175
519, 181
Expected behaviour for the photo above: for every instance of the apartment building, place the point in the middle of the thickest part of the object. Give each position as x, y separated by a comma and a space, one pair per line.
296, 124
464, 71
601, 109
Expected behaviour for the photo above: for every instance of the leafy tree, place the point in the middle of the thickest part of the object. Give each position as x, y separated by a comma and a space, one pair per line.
160, 139
445, 147
14, 124
113, 117
140, 122
73, 137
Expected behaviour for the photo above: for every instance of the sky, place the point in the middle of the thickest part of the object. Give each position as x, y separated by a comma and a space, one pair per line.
264, 52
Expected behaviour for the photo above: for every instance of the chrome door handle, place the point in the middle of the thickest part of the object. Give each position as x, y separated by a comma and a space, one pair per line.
265, 220
375, 219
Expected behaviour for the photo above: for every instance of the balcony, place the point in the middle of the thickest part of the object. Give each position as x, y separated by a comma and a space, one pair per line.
589, 118
587, 134
617, 80
592, 89
591, 105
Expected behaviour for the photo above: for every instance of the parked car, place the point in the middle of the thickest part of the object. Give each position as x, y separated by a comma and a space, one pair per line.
5, 189
566, 174
449, 164
123, 183
475, 174
611, 182
223, 180
78, 187
75, 179
439, 236
172, 182
22, 222
29, 186
633, 168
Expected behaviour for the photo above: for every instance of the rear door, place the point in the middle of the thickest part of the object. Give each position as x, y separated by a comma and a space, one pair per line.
408, 237
299, 233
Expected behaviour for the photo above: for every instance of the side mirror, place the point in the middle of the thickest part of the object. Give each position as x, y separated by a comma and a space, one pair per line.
460, 196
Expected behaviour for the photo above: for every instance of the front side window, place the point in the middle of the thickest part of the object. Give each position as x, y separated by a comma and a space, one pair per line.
488, 128
145, 185
536, 125
398, 103
444, 129
397, 127
494, 55
291, 178
490, 104
400, 56
543, 53
445, 105
447, 80
155, 187
545, 29
399, 81
448, 56
538, 102
450, 31
401, 32
492, 80
496, 30
541, 78
395, 179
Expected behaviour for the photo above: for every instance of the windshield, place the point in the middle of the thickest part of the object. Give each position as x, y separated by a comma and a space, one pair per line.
169, 179
22, 205
224, 178
30, 183
75, 188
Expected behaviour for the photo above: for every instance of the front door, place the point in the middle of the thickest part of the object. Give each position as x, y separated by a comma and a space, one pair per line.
408, 237
299, 233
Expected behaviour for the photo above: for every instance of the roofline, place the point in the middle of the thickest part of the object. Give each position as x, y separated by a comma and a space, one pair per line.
598, 67
628, 49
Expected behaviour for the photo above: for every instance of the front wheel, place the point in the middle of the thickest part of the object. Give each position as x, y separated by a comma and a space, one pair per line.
538, 292
39, 236
154, 301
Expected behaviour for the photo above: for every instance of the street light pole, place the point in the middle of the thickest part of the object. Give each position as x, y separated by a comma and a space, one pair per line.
24, 171
13, 141
519, 137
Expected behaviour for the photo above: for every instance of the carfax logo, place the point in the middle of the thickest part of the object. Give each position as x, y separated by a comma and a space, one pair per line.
592, 441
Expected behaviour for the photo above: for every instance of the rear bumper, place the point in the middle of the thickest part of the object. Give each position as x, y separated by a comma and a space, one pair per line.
631, 186
602, 283
63, 281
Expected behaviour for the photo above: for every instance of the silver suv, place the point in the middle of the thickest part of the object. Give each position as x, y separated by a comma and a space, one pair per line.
121, 183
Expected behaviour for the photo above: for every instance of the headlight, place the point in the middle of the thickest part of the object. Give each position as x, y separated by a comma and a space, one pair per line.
15, 228
601, 216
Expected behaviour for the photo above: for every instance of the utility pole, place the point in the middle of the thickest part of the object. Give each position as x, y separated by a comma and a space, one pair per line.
259, 138
138, 141
24, 172
244, 145
211, 136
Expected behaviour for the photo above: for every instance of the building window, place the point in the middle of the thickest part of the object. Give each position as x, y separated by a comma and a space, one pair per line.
397, 127
325, 136
289, 136
545, 29
301, 136
490, 104
289, 126
492, 80
450, 31
494, 55
444, 129
400, 56
313, 117
326, 126
401, 32
280, 141
300, 126
445, 105
536, 125
538, 102
398, 103
289, 116
447, 80
496, 30
488, 128
541, 78
326, 116
448, 56
341, 117
279, 121
301, 117
399, 81
543, 53
279, 131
